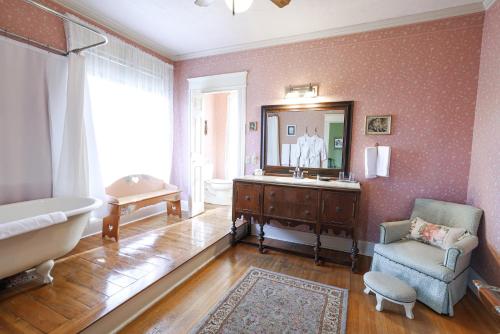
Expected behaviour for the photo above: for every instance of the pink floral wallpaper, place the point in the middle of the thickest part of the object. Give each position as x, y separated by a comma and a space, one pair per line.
484, 179
24, 19
425, 75
28, 21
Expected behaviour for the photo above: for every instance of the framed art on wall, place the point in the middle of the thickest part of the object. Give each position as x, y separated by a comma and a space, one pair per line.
338, 142
378, 125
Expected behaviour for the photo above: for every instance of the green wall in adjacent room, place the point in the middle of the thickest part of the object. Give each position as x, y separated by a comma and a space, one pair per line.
335, 154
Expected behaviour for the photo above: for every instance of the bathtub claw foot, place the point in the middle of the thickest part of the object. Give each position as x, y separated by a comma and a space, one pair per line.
44, 270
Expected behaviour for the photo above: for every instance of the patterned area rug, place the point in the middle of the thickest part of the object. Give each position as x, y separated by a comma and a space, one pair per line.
268, 302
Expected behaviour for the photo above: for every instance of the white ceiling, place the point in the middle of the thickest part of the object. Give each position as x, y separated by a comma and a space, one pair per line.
180, 30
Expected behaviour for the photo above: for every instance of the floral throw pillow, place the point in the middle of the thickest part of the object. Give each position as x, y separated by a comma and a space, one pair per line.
433, 234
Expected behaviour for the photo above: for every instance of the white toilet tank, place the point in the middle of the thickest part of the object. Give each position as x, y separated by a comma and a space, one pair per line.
219, 191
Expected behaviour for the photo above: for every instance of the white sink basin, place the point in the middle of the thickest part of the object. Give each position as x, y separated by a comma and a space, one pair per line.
283, 179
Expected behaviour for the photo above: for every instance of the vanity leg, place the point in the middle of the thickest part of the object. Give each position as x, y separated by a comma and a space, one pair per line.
261, 237
317, 248
233, 233
354, 254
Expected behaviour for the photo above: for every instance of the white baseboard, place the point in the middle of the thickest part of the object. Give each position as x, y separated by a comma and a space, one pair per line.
327, 241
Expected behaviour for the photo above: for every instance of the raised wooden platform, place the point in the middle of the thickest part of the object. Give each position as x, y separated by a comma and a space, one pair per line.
92, 288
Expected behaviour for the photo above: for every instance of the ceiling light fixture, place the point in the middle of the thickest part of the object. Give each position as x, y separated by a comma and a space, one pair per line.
302, 91
238, 6
203, 3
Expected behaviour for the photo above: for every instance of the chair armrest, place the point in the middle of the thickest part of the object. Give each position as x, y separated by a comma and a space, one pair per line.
461, 247
394, 231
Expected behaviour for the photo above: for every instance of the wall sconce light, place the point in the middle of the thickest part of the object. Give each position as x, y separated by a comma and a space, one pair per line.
302, 91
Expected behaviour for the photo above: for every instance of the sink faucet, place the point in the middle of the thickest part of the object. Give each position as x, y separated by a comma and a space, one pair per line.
298, 173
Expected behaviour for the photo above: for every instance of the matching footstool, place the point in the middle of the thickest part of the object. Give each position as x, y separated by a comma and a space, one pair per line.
392, 289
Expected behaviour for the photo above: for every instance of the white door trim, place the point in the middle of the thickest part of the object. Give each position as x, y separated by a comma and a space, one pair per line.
220, 83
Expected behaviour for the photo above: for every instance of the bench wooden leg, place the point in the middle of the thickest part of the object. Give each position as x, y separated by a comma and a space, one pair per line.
174, 208
111, 227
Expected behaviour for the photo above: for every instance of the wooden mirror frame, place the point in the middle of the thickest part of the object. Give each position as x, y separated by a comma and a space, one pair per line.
346, 106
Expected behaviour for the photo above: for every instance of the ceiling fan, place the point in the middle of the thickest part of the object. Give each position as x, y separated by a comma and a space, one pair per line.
239, 6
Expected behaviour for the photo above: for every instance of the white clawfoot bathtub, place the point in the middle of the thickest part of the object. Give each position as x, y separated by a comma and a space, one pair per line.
38, 248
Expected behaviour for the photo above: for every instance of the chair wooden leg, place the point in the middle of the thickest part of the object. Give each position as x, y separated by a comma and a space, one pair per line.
111, 227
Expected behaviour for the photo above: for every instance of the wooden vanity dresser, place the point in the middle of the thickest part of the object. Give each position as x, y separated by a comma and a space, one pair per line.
320, 205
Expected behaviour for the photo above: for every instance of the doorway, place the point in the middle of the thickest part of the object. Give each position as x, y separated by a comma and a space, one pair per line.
217, 137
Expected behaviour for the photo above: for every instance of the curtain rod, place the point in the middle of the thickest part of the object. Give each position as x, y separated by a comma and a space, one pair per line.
48, 47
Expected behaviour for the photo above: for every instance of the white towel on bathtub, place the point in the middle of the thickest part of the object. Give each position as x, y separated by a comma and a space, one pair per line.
25, 225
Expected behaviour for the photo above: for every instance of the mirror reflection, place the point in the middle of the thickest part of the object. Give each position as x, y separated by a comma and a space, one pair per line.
309, 139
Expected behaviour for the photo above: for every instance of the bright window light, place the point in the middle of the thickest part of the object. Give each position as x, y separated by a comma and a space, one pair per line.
129, 125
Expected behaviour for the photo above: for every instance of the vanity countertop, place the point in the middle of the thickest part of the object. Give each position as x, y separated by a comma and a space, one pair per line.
300, 182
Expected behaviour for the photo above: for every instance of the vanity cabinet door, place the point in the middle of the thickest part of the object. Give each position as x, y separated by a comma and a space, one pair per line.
290, 202
338, 207
276, 203
305, 206
248, 198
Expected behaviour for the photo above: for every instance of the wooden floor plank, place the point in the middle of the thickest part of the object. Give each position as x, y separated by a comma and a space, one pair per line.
59, 302
12, 324
36, 314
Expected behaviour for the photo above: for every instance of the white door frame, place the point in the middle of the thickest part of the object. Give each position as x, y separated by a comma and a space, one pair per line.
220, 83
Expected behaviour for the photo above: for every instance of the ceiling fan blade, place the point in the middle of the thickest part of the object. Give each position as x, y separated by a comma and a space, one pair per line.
281, 3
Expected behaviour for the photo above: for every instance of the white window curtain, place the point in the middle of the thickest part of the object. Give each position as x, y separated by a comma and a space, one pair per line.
130, 99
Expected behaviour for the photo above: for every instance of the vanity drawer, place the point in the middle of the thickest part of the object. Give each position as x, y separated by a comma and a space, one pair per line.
338, 207
289, 202
248, 197
306, 211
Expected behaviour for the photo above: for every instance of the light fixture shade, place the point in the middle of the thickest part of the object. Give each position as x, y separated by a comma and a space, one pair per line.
240, 6
203, 3
302, 91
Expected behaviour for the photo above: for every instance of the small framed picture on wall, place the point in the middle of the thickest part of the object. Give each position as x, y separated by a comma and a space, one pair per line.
291, 130
378, 125
252, 126
338, 142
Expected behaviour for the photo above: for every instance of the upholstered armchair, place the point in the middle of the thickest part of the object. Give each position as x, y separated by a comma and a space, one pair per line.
439, 276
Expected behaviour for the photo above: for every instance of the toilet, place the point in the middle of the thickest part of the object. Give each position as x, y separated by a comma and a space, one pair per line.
217, 191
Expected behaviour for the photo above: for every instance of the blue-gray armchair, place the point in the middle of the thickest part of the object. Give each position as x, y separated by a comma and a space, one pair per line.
439, 276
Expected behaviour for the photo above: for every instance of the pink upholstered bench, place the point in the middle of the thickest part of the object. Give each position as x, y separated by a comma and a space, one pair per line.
134, 192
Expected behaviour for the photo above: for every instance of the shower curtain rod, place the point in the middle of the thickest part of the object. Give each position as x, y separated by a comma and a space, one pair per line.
48, 47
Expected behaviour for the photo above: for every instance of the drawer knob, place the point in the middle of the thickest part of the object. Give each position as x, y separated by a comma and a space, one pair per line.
271, 208
247, 197
307, 212
338, 209
272, 193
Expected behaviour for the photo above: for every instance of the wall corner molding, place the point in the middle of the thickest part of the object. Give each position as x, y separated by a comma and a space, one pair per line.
341, 31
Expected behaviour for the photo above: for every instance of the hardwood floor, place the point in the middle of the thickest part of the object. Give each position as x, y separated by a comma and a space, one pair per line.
179, 311
100, 275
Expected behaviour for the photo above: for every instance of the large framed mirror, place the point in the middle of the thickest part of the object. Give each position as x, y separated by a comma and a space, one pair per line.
316, 137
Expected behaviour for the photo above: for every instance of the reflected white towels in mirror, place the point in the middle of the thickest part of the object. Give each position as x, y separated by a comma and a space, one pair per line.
285, 154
